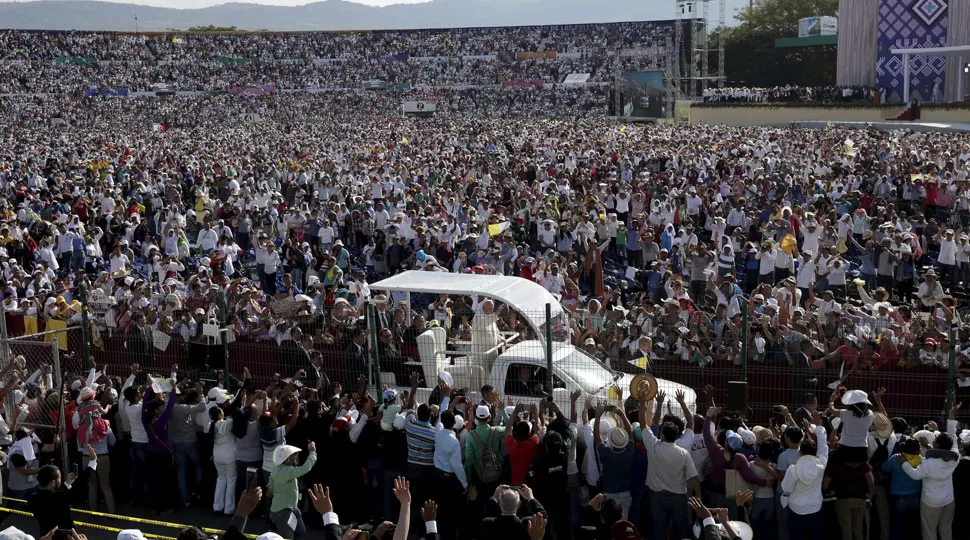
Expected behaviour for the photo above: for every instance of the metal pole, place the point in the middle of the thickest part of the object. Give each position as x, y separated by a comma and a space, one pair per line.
62, 426
85, 346
4, 346
952, 378
549, 348
960, 75
373, 342
906, 79
224, 335
744, 342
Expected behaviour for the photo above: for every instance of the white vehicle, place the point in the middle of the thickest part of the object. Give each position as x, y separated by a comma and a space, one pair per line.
503, 361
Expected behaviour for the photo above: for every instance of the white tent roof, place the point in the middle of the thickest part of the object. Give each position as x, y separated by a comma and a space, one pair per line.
958, 50
527, 297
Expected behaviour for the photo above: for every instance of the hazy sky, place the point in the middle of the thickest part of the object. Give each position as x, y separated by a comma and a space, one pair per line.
732, 5
207, 3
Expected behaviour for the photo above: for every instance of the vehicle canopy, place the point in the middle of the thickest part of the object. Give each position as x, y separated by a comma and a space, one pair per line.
526, 297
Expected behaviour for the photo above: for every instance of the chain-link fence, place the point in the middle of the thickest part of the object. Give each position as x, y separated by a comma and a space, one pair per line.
33, 370
782, 355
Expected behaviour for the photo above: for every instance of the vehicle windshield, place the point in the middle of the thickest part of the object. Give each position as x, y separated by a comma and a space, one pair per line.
585, 370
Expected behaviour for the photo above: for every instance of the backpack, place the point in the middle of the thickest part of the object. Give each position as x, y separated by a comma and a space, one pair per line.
489, 465
880, 456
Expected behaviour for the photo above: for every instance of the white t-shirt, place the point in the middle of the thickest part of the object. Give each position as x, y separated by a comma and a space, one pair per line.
855, 429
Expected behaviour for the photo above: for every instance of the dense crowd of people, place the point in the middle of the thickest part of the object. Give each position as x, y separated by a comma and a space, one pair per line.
673, 249
72, 62
793, 94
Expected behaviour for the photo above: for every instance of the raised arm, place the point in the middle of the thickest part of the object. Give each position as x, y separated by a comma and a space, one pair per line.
688, 416
403, 494
415, 380
572, 405
877, 397
596, 426
659, 408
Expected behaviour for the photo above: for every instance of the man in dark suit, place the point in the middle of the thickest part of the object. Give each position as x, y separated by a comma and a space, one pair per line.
355, 359
385, 316
293, 356
711, 531
514, 514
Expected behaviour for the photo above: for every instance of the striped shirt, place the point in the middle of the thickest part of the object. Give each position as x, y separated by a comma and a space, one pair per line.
420, 437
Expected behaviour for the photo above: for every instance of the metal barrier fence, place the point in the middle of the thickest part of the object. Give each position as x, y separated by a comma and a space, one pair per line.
525, 356
38, 403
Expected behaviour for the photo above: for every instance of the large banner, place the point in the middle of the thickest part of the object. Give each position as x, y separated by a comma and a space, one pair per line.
418, 107
576, 78
905, 24
525, 55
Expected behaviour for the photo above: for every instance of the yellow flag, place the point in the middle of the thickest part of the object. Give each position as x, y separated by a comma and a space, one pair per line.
642, 362
404, 140
494, 229
611, 393
622, 129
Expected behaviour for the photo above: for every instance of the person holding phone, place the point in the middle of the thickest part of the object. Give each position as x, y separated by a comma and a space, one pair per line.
51, 504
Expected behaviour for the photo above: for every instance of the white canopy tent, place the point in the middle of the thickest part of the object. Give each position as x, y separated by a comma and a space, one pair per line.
525, 296
958, 52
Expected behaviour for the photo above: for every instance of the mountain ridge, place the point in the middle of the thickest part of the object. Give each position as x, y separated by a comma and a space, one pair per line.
327, 15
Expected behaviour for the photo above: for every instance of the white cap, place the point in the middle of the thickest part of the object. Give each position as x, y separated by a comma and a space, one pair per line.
283, 453
130, 534
446, 378
218, 395
482, 412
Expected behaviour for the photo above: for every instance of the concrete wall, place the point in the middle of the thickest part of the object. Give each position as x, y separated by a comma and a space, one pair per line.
755, 116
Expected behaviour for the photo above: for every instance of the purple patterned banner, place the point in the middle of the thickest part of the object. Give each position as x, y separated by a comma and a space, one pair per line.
909, 24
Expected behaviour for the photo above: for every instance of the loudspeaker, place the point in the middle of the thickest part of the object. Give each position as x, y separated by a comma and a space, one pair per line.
737, 396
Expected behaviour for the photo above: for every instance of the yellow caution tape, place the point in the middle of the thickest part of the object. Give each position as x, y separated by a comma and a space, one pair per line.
129, 518
88, 525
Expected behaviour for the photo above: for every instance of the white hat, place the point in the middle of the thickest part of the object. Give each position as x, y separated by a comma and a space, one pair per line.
283, 453
446, 378
619, 438
131, 534
482, 412
269, 536
854, 397
218, 395
747, 436
13, 533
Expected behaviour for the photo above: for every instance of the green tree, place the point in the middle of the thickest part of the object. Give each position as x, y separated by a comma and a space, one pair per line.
751, 58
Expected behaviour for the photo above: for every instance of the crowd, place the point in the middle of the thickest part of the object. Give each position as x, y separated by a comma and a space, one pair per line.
73, 62
677, 249
793, 94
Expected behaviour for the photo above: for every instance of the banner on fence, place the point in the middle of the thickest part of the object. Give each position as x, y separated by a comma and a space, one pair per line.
526, 55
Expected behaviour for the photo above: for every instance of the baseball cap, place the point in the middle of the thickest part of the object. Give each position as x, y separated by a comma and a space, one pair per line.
482, 412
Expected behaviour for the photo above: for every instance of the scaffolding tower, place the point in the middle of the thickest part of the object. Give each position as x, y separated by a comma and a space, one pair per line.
694, 46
